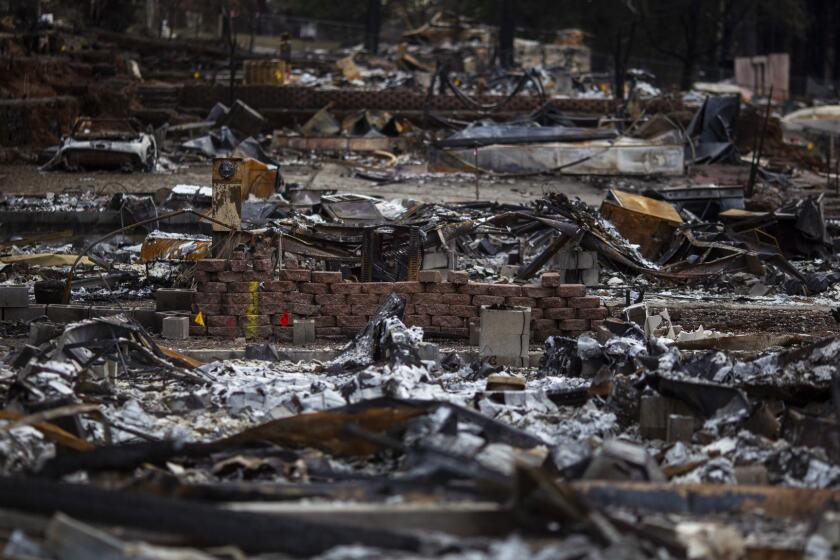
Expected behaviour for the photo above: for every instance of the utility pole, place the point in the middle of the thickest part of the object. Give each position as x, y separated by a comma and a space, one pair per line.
372, 25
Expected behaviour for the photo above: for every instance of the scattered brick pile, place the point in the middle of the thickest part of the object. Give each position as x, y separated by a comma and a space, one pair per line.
241, 297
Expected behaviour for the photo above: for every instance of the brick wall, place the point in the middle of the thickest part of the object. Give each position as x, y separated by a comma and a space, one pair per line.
243, 297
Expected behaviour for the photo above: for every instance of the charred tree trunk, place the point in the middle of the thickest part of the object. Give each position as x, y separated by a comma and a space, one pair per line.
372, 25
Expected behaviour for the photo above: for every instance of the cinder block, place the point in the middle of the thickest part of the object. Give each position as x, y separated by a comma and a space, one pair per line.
303, 331
14, 296
211, 265
104, 311
325, 277
751, 474
505, 335
60, 313
24, 314
679, 428
591, 276
161, 315
457, 276
147, 318
176, 328
571, 290
429, 352
654, 411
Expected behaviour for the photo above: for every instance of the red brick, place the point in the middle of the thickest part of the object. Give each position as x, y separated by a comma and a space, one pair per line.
363, 299
295, 274
208, 308
362, 309
574, 324
418, 320
505, 290
202, 276
448, 321
521, 301
237, 265
278, 286
559, 313
256, 276
328, 309
430, 276
238, 255
211, 265
213, 287
297, 297
552, 302
324, 321
330, 299
312, 288
201, 297
537, 292
571, 290
543, 324
239, 298
429, 298
257, 332
228, 276
224, 332
346, 288
351, 320
271, 308
304, 309
536, 313
243, 287
238, 308
453, 299
274, 298
440, 288
325, 277
551, 280
431, 309
255, 320
585, 302
227, 321
463, 310
597, 313
474, 289
407, 287
457, 276
478, 301
261, 264
377, 288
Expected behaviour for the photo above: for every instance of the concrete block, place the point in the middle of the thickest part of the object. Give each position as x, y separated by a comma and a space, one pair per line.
679, 428
654, 411
751, 474
176, 328
475, 333
435, 260
24, 314
40, 333
161, 315
591, 276
303, 331
147, 318
59, 313
505, 335
14, 296
587, 259
173, 299
104, 311
430, 353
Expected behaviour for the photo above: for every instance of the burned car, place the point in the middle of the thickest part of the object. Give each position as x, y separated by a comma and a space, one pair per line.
105, 144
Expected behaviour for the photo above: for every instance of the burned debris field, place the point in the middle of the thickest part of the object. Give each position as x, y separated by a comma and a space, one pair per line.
419, 279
